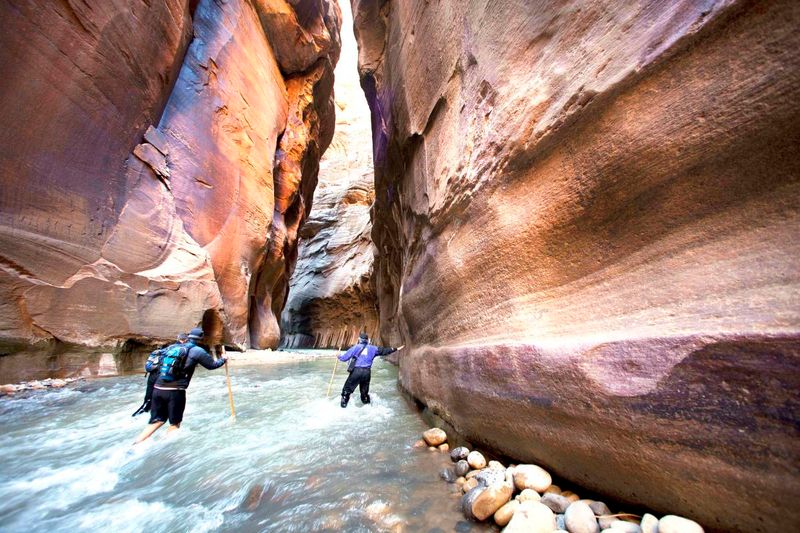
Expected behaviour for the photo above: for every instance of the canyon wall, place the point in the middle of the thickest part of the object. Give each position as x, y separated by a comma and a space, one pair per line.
156, 162
332, 295
588, 229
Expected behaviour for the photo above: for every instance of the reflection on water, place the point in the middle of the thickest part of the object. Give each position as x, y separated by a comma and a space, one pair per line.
292, 461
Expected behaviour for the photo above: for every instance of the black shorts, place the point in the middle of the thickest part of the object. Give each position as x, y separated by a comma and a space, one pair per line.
168, 405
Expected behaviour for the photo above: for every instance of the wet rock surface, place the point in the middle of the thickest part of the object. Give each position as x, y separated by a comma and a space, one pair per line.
588, 223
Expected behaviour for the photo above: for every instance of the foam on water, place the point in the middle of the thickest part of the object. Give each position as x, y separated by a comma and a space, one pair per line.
293, 460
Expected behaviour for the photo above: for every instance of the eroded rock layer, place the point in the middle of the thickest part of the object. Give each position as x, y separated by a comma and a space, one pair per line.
137, 165
588, 225
332, 295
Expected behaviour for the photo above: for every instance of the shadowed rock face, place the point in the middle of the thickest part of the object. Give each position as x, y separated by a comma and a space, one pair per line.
588, 224
137, 165
332, 290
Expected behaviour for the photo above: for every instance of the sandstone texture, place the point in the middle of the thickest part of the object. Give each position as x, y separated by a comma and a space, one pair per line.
588, 223
136, 158
332, 288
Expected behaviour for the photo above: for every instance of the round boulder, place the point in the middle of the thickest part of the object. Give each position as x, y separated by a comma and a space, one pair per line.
476, 460
459, 454
532, 477
677, 524
435, 436
461, 468
531, 517
579, 518
503, 515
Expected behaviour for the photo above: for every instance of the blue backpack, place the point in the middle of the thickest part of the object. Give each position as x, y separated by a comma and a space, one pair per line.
173, 361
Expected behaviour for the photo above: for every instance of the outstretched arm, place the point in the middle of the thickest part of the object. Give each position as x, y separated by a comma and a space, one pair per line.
387, 351
202, 357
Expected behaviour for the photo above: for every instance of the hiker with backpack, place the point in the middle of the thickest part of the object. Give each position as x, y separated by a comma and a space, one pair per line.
151, 369
361, 357
177, 365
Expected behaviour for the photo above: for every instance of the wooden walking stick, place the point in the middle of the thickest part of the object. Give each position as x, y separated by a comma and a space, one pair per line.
328, 394
230, 391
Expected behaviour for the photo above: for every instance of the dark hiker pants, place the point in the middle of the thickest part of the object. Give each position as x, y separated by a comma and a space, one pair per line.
168, 405
360, 377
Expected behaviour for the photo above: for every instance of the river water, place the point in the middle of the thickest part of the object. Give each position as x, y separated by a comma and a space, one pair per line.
292, 460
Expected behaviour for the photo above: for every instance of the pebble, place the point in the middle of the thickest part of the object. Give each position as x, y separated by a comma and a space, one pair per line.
677, 524
528, 495
469, 485
472, 473
606, 520
555, 489
560, 523
459, 454
579, 518
556, 502
621, 526
448, 475
419, 444
482, 502
571, 496
531, 517
461, 480
431, 448
532, 477
496, 465
649, 523
461, 467
434, 436
444, 447
599, 508
476, 460
503, 515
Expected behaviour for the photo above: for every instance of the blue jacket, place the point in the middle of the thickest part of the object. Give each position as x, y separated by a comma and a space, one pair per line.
365, 360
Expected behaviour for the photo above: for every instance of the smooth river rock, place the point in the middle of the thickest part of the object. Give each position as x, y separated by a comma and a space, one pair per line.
434, 436
532, 477
579, 518
587, 217
459, 454
649, 523
531, 517
476, 460
678, 524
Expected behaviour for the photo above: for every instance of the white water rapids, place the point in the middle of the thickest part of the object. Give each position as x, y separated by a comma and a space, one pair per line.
292, 461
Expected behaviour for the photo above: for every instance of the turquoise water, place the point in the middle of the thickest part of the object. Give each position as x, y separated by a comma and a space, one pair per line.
292, 461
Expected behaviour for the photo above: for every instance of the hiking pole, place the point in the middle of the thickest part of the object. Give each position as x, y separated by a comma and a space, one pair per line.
230, 391
328, 394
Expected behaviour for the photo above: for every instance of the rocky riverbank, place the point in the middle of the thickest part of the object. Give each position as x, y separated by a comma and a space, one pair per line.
522, 498
11, 389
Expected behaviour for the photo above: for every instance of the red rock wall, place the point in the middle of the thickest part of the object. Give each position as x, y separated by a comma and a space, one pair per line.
137, 164
588, 219
331, 288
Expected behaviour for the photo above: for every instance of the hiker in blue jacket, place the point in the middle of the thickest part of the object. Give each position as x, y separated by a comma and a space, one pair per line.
361, 356
177, 365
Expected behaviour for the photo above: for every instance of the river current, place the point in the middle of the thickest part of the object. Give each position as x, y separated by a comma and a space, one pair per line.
291, 461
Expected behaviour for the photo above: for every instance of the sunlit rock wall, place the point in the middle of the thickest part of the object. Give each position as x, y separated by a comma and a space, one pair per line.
588, 224
136, 160
332, 295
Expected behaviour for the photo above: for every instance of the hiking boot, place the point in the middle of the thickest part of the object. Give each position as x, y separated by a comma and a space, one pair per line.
345, 399
365, 399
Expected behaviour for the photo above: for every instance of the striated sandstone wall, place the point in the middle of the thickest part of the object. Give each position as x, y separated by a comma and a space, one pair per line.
156, 161
332, 288
588, 225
